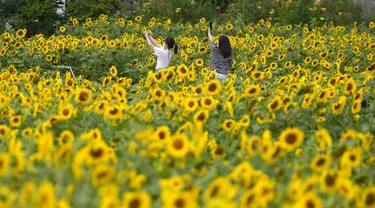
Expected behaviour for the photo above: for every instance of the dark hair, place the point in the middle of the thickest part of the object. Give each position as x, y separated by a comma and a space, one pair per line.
224, 46
171, 44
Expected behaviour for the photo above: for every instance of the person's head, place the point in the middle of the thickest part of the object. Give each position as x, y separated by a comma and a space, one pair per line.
224, 46
170, 44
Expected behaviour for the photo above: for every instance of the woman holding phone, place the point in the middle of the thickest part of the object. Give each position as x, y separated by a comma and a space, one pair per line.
163, 53
221, 55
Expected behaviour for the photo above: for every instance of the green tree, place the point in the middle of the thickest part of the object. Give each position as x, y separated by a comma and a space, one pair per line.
37, 16
83, 9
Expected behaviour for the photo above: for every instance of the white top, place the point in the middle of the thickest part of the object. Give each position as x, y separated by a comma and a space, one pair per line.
164, 57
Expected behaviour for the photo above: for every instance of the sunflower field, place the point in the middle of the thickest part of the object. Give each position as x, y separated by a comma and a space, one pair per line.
291, 126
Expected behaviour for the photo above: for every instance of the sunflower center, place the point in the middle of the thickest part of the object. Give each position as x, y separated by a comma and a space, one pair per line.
179, 203
158, 93
214, 191
349, 87
207, 101
65, 140
102, 174
2, 131
291, 138
252, 91
370, 199
337, 106
83, 96
65, 112
114, 111
135, 203
310, 204
330, 180
353, 158
161, 135
250, 199
178, 144
212, 87
96, 153
16, 120
321, 162
219, 150
201, 117
274, 105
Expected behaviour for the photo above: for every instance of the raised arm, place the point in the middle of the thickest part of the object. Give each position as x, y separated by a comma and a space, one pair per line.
209, 35
154, 42
149, 42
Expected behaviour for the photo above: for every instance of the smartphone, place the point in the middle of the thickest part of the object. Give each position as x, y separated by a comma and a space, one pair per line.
210, 25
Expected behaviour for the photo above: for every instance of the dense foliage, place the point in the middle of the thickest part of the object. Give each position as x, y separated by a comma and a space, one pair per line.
291, 126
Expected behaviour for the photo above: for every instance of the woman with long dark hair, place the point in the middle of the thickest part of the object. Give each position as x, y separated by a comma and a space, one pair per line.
163, 53
221, 56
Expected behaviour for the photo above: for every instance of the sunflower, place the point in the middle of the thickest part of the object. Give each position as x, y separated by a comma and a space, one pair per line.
113, 112
15, 121
113, 71
368, 198
371, 24
229, 27
21, 33
228, 124
351, 158
291, 138
138, 18
178, 199
62, 29
320, 163
83, 96
207, 102
371, 67
26, 133
315, 62
136, 200
201, 116
4, 163
102, 174
289, 27
217, 188
309, 201
66, 137
163, 133
178, 146
339, 106
75, 21
182, 70
275, 104
199, 62
49, 57
350, 87
356, 107
328, 181
323, 96
96, 152
212, 87
45, 196
252, 91
66, 112
101, 106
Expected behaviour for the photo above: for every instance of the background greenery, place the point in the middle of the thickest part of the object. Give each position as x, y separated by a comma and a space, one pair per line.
39, 16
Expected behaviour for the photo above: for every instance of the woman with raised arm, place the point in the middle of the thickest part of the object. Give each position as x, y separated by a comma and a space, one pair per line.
221, 56
163, 53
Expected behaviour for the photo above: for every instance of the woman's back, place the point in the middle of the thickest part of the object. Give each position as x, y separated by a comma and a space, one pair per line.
219, 62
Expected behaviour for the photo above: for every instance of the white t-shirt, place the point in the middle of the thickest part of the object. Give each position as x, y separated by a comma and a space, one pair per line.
164, 56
